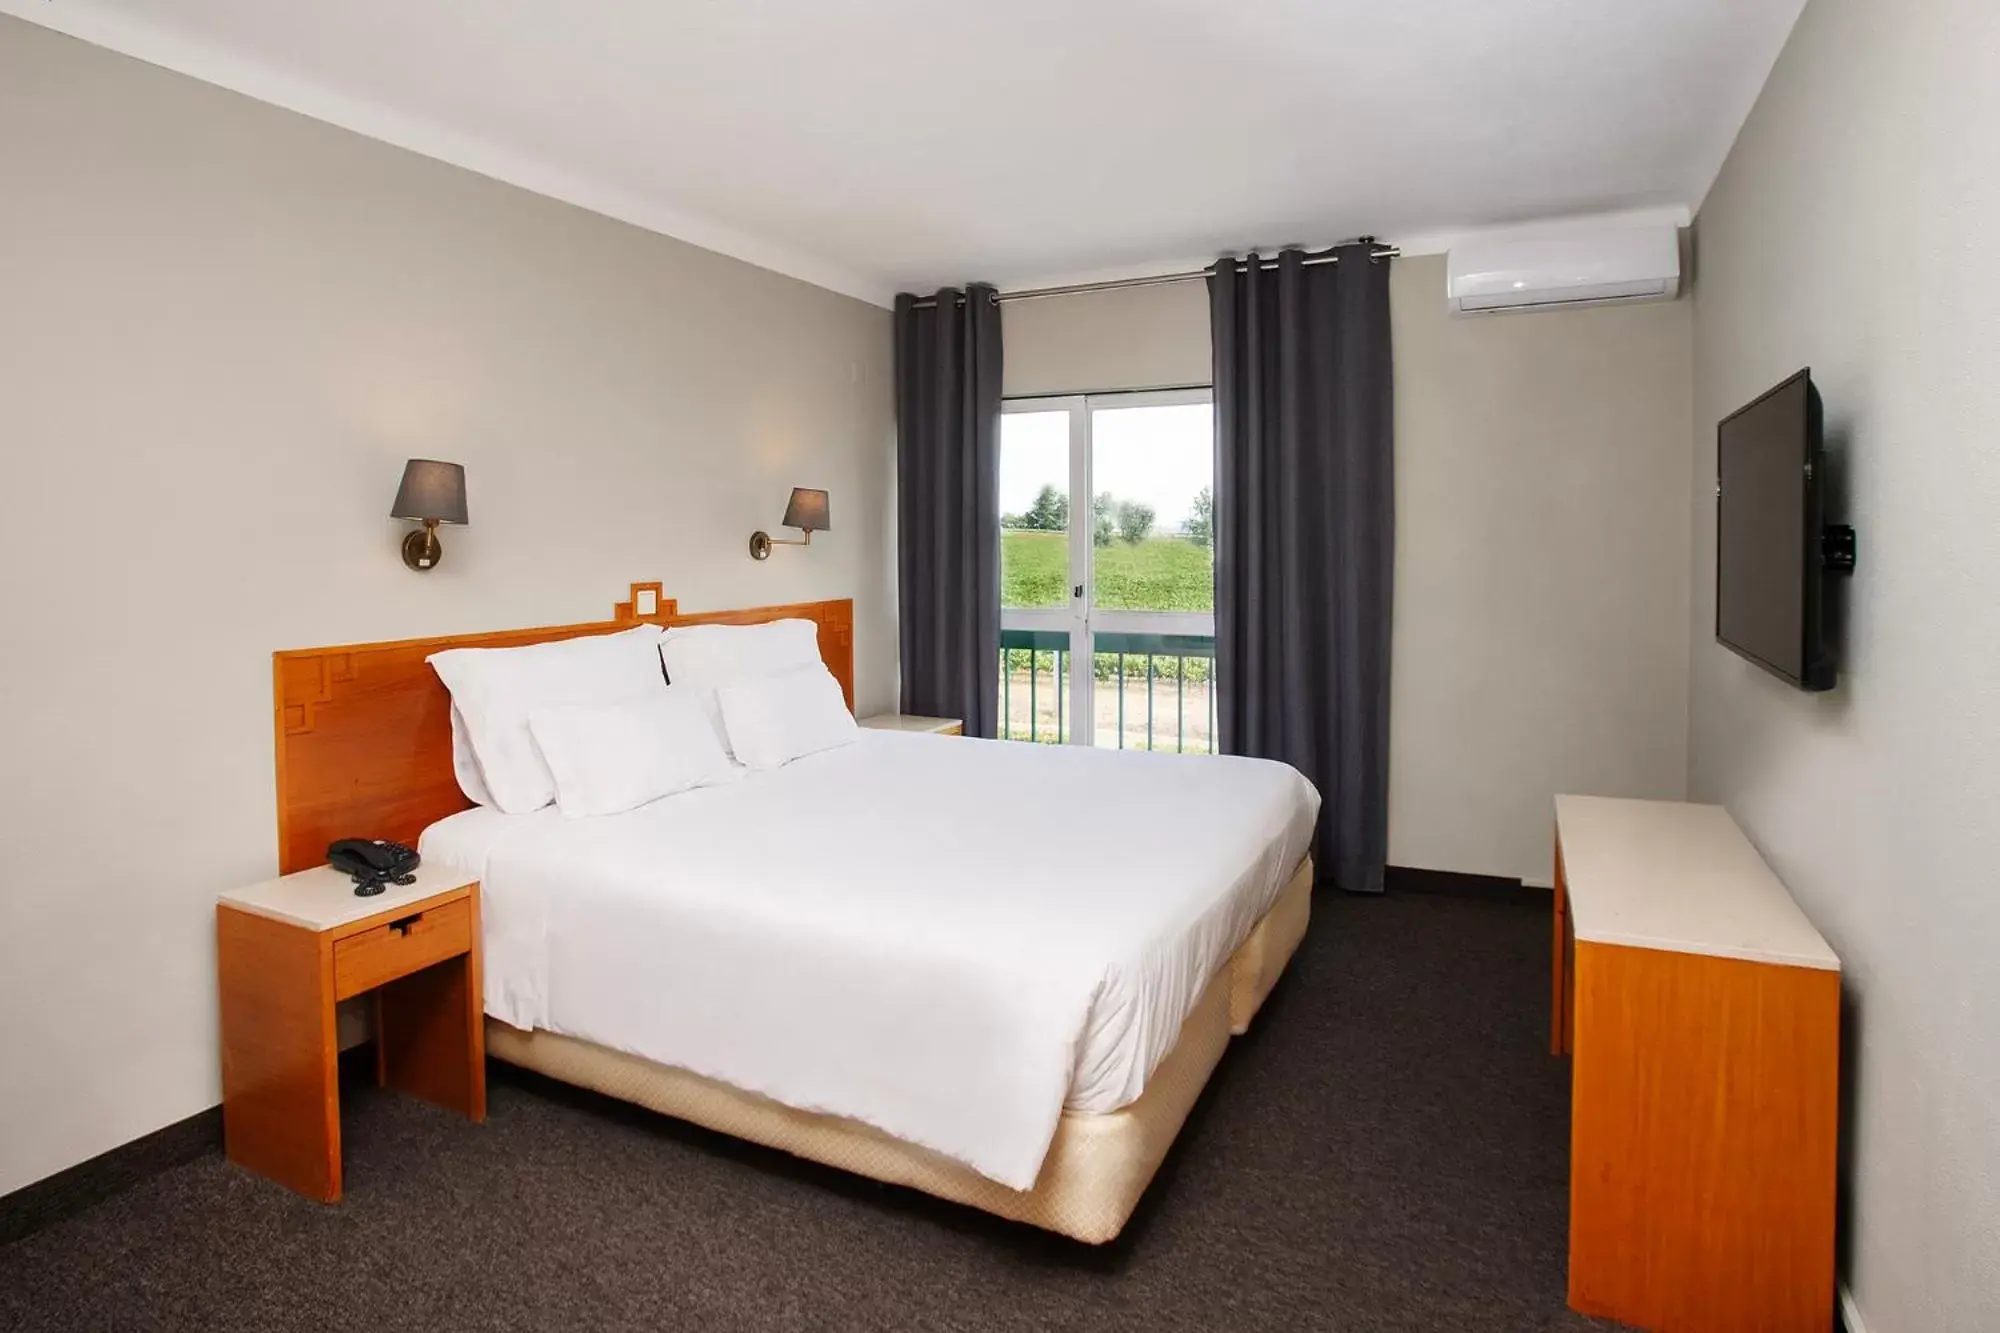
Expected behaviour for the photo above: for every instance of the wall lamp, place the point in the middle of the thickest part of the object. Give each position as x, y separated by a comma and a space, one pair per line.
431, 493
806, 512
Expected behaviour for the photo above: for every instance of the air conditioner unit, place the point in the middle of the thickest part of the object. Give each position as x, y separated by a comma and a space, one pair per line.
1595, 267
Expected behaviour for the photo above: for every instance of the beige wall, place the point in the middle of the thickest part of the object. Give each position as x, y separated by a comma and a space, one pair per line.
222, 329
1541, 577
1852, 231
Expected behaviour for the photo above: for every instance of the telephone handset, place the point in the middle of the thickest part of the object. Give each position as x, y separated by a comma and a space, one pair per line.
374, 863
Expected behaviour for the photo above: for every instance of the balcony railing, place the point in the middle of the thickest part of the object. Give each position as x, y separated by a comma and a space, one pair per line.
1148, 691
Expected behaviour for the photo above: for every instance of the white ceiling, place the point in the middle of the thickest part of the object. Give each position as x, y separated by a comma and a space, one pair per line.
877, 145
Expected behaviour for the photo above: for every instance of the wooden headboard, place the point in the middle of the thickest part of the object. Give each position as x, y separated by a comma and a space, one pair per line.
364, 730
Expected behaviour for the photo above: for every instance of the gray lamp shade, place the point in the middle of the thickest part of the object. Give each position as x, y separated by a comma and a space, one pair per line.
431, 491
807, 510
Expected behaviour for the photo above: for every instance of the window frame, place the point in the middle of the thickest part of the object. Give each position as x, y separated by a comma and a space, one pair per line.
1081, 619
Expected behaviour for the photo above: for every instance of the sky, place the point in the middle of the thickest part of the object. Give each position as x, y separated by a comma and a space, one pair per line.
1159, 455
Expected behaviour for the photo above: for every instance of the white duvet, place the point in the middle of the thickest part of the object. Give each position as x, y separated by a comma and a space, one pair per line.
949, 939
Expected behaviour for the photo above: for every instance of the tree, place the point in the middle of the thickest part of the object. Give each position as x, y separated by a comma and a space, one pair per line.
1135, 522
1049, 512
1102, 527
1201, 518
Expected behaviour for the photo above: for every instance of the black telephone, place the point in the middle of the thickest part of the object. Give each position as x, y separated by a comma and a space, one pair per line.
374, 863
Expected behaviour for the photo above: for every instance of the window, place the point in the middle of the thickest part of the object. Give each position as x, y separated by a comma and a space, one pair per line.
1108, 607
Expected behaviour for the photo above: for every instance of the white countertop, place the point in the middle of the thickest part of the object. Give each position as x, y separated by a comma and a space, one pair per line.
909, 722
1669, 875
322, 898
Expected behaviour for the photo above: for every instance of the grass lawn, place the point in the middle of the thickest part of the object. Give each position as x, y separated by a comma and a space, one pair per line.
1158, 574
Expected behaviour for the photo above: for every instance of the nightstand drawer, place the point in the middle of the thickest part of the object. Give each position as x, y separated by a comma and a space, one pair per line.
397, 948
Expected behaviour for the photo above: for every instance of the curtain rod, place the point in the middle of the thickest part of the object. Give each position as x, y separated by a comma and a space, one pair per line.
1157, 280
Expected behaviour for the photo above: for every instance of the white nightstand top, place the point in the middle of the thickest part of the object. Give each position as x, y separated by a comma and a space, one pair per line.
912, 722
322, 898
1680, 877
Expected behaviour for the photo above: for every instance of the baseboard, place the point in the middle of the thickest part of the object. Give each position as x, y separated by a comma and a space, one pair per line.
1457, 884
70, 1191
1850, 1313
87, 1184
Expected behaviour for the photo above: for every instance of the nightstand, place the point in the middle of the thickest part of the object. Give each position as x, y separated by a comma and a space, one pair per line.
288, 951
936, 726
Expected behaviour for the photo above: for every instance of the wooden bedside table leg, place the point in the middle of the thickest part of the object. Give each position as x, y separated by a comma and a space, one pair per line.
280, 1074
431, 1033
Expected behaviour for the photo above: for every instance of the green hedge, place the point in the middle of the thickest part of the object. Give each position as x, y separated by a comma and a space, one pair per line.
1194, 670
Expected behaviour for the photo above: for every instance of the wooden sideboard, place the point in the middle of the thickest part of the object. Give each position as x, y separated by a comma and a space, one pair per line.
1701, 1011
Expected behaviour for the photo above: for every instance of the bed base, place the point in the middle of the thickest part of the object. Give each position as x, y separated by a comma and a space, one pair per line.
1098, 1165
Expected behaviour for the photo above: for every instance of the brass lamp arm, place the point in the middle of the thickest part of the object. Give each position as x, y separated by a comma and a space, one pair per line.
761, 543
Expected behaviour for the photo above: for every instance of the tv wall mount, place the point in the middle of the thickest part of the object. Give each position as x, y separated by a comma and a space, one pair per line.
1836, 548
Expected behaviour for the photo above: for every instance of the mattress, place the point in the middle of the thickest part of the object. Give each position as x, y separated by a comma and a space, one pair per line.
1098, 1166
951, 940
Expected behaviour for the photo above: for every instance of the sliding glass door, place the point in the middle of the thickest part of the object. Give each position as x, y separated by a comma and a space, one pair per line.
1108, 607
1042, 623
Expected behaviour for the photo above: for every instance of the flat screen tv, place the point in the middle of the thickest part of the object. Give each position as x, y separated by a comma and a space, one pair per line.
1772, 545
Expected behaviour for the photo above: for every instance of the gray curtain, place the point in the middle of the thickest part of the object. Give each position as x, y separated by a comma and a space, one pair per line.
947, 505
1304, 535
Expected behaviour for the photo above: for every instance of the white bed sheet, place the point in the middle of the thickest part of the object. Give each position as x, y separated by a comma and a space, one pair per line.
950, 939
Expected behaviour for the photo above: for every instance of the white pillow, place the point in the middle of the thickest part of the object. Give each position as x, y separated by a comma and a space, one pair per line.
607, 758
495, 689
703, 657
708, 656
465, 764
776, 719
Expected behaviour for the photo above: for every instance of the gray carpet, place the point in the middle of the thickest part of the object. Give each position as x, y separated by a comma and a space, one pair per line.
1387, 1150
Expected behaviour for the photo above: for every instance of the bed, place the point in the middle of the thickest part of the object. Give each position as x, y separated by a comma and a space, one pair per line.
910, 957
